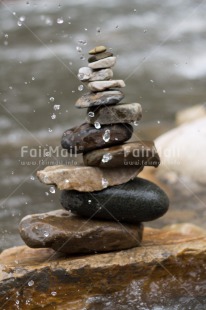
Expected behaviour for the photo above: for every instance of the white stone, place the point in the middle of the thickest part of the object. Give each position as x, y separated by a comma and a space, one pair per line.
84, 73
102, 85
103, 63
191, 114
182, 151
101, 75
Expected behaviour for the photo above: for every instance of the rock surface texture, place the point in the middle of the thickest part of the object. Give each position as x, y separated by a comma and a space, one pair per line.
136, 201
170, 259
70, 234
101, 98
86, 179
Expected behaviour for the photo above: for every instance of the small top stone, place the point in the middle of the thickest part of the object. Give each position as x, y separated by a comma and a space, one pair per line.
97, 49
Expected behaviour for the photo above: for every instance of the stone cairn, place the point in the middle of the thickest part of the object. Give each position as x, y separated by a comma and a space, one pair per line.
105, 202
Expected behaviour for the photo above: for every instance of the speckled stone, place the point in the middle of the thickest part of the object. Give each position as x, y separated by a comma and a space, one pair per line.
136, 201
103, 63
86, 179
98, 49
120, 113
140, 153
86, 137
67, 233
87, 74
103, 85
99, 56
101, 98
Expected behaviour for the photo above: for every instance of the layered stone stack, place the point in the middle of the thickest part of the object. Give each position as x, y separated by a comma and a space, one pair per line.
105, 201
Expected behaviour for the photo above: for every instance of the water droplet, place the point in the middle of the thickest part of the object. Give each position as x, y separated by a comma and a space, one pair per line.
33, 78
14, 13
49, 130
30, 283
164, 91
106, 157
46, 234
6, 35
70, 63
79, 49
22, 18
145, 30
56, 107
158, 122
81, 87
97, 125
83, 42
98, 29
135, 10
52, 190
89, 201
46, 193
135, 123
151, 81
104, 182
117, 27
82, 57
91, 114
10, 87
32, 178
85, 29
106, 135
51, 99
19, 23
66, 181
17, 302
53, 116
60, 20
80, 76
53, 293
49, 21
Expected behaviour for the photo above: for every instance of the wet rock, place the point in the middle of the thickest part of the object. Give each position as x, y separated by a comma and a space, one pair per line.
86, 179
98, 49
101, 98
99, 56
120, 113
103, 63
67, 233
136, 201
103, 85
87, 74
141, 153
182, 151
86, 137
73, 282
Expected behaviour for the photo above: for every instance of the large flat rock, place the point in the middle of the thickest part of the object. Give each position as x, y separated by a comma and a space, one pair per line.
170, 264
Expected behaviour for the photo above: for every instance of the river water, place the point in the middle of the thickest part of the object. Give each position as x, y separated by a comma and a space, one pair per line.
161, 56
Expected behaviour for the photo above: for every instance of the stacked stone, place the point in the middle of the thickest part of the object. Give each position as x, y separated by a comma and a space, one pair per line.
105, 201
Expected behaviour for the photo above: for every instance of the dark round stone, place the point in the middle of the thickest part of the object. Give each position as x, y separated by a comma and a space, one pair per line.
86, 137
136, 201
99, 56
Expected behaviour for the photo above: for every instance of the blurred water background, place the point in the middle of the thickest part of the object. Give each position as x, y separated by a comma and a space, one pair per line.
161, 56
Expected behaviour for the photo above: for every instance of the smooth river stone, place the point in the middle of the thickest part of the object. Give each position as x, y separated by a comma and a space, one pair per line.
86, 179
99, 56
103, 85
103, 63
136, 201
101, 98
120, 113
87, 74
97, 49
67, 233
141, 153
86, 137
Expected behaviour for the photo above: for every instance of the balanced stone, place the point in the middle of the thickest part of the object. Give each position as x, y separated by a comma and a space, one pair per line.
86, 137
141, 153
87, 74
103, 63
120, 113
97, 49
102, 85
86, 179
67, 233
101, 98
135, 201
99, 56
